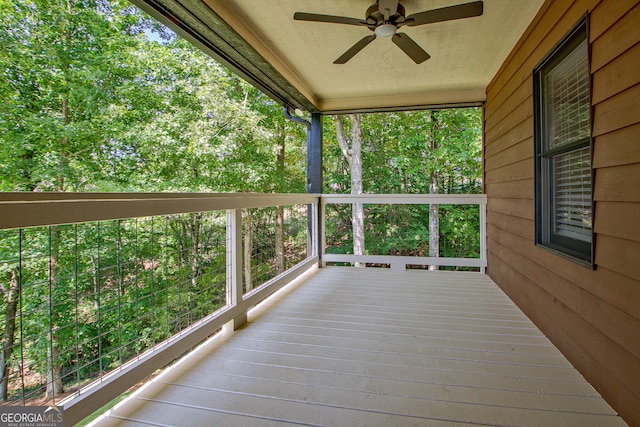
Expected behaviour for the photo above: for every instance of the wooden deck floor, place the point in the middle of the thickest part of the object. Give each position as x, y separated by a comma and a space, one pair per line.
372, 347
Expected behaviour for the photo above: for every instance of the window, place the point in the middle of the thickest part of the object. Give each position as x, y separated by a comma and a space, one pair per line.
563, 148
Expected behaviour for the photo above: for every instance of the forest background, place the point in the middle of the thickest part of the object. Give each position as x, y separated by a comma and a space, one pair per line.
97, 97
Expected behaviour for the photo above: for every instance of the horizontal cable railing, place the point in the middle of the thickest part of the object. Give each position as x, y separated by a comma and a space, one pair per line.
100, 290
396, 230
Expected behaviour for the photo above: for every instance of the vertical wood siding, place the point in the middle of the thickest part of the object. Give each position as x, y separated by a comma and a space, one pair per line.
592, 316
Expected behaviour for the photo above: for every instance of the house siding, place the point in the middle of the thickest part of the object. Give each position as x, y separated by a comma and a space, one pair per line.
593, 316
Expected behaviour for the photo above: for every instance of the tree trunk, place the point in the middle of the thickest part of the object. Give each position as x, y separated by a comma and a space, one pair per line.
434, 221
12, 294
246, 230
63, 147
54, 378
356, 186
352, 151
54, 375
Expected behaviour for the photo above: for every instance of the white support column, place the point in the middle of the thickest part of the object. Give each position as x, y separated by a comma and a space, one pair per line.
234, 266
310, 228
322, 231
314, 238
483, 237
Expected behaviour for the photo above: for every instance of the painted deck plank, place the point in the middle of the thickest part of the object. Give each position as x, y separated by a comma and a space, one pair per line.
369, 347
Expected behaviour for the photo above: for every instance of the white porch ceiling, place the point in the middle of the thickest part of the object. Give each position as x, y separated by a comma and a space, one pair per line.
465, 54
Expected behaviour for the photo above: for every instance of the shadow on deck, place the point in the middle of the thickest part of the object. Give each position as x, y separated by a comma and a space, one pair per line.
372, 347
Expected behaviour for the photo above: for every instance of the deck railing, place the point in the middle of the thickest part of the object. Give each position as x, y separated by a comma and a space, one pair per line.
399, 224
100, 290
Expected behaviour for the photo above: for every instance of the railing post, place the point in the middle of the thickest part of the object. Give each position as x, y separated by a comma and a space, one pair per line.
483, 236
321, 232
314, 231
234, 265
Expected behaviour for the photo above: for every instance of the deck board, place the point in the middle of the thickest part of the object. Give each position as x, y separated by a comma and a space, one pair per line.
372, 347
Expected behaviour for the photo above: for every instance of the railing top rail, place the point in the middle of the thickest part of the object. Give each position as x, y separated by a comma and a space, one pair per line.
407, 199
22, 210
26, 196
27, 209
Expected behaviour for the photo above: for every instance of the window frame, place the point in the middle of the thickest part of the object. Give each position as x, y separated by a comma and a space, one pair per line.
581, 252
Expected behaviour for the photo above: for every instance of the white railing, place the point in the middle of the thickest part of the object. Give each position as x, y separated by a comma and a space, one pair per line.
23, 215
24, 212
401, 262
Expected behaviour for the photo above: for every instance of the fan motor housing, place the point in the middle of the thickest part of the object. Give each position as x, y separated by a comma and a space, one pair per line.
375, 17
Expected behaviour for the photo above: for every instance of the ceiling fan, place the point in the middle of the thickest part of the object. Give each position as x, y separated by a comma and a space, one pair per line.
385, 17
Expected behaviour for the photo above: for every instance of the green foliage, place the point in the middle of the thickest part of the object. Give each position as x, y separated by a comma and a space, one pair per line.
401, 149
263, 248
96, 96
67, 66
400, 152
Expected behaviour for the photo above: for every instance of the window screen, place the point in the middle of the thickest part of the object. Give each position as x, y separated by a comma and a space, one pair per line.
563, 148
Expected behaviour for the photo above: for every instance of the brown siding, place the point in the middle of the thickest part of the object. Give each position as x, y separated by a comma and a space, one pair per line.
592, 316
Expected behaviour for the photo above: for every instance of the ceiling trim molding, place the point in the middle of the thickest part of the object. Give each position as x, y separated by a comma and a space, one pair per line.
413, 101
404, 108
196, 22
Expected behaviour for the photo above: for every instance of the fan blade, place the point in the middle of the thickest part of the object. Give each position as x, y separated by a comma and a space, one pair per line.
450, 13
384, 5
355, 49
314, 17
411, 48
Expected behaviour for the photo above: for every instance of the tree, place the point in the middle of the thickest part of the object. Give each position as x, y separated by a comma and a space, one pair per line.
10, 294
434, 209
280, 173
77, 97
57, 86
352, 151
412, 152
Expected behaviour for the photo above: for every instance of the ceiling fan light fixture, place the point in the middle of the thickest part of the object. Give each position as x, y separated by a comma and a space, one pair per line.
384, 17
385, 30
